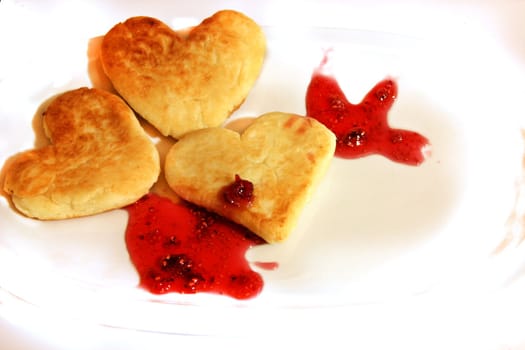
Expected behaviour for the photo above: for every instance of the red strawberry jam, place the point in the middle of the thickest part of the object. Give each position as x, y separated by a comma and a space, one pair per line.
177, 247
239, 193
362, 129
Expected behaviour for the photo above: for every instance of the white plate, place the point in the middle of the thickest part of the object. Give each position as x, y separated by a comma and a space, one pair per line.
375, 232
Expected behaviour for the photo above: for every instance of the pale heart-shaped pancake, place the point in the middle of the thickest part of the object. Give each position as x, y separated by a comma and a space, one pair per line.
99, 158
283, 155
183, 81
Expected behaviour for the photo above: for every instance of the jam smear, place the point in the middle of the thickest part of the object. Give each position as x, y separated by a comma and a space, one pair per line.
362, 129
178, 247
239, 194
267, 265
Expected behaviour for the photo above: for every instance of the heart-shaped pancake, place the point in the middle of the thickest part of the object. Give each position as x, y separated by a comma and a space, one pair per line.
99, 158
283, 156
183, 81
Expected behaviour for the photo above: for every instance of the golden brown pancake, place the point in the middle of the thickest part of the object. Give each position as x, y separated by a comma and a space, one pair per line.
183, 81
99, 158
284, 156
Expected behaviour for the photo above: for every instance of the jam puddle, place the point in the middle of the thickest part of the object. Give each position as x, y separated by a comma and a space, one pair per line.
177, 247
362, 129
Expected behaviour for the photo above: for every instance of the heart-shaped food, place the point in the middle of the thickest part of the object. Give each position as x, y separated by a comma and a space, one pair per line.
183, 81
99, 158
261, 178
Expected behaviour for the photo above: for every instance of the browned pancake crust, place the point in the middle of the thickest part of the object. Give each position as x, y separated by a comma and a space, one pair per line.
184, 81
99, 158
283, 155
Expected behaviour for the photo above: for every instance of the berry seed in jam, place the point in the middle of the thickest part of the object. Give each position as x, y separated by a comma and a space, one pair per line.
362, 129
239, 194
177, 247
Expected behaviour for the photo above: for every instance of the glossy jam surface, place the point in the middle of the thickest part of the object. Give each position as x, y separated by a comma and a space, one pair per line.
176, 247
362, 129
239, 193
